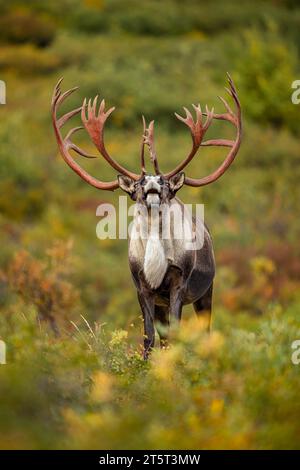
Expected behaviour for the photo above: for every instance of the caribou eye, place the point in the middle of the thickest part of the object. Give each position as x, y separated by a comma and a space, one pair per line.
161, 181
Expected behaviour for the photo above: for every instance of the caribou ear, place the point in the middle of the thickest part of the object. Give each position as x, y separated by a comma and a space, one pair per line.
176, 181
126, 183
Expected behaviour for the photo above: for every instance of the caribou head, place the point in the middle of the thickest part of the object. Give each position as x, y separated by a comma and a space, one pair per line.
166, 274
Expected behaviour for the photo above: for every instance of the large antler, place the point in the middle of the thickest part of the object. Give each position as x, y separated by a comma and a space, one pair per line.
94, 124
198, 130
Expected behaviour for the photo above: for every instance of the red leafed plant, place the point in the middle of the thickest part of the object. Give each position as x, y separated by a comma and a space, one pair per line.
45, 284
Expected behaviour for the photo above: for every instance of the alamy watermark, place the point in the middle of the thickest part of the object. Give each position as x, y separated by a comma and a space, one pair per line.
2, 92
295, 358
171, 221
2, 352
296, 94
2, 343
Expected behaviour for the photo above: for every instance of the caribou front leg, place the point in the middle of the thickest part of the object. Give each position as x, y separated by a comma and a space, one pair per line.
176, 294
162, 324
147, 305
175, 305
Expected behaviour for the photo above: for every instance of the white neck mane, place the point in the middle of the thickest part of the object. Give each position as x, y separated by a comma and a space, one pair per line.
150, 249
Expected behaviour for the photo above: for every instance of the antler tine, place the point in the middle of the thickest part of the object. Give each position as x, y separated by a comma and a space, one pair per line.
65, 144
229, 110
61, 121
209, 117
233, 93
232, 87
188, 120
57, 100
94, 104
143, 168
229, 115
65, 95
94, 124
75, 147
56, 92
149, 141
198, 111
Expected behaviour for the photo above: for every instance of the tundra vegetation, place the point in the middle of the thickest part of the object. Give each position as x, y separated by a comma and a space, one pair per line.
89, 387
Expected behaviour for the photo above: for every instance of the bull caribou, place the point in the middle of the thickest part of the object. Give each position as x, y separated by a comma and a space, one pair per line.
166, 274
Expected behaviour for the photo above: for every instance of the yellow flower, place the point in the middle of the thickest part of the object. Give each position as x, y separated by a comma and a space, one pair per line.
118, 337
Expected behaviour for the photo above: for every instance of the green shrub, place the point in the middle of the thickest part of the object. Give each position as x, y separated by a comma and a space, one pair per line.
91, 390
28, 60
24, 26
267, 69
21, 195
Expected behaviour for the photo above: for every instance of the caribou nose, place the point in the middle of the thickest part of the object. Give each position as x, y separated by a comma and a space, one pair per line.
152, 187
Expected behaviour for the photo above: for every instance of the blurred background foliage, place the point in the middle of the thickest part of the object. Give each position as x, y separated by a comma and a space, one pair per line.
89, 387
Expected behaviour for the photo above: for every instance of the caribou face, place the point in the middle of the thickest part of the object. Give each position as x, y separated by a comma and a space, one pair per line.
152, 190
